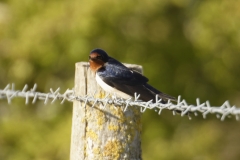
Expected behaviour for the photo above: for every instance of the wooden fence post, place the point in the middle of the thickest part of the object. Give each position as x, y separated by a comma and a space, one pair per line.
103, 133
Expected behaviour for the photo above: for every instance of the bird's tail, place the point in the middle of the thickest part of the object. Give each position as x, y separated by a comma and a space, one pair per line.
163, 96
167, 97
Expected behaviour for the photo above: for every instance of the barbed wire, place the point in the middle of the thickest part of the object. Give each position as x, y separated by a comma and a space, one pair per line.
225, 110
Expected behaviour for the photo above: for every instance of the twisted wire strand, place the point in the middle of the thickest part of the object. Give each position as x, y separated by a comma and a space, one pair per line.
225, 110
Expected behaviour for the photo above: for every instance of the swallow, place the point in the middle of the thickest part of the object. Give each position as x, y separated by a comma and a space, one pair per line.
114, 77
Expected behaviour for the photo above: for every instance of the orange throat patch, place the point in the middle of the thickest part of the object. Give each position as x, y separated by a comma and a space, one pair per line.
95, 64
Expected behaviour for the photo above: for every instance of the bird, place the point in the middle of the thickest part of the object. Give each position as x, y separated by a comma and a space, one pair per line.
114, 77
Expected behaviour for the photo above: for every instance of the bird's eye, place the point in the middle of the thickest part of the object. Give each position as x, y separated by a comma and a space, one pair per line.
99, 57
95, 57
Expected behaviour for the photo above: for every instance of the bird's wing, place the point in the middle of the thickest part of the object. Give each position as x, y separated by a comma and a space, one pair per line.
128, 81
146, 91
116, 71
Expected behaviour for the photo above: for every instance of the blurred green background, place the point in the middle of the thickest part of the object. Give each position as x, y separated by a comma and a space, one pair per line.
186, 47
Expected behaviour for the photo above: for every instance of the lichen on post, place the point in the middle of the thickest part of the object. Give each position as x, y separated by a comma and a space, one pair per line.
103, 132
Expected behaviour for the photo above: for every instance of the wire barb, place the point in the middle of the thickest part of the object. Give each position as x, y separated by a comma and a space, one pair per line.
225, 110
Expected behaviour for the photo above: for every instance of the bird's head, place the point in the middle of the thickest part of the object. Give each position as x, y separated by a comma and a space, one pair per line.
97, 59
